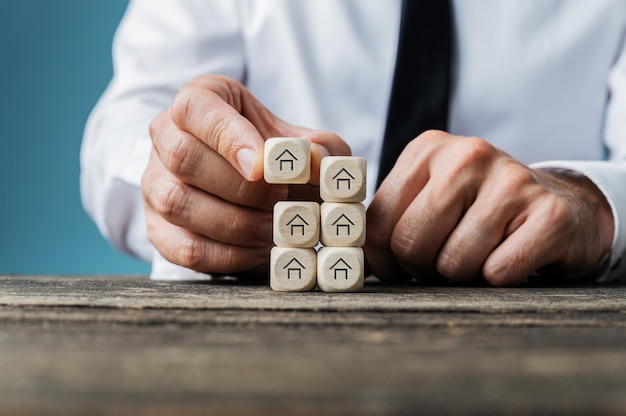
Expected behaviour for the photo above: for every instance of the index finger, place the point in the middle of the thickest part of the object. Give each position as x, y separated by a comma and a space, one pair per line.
206, 115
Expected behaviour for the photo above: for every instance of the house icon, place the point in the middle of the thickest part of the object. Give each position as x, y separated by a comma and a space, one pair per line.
343, 222
286, 158
343, 177
297, 223
295, 269
341, 268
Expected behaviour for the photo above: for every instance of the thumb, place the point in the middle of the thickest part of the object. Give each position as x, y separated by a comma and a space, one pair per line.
224, 115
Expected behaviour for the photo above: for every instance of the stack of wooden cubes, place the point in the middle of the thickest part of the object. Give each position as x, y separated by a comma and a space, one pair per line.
299, 226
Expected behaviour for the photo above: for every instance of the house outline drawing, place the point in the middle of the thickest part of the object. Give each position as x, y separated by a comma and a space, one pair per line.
289, 161
341, 271
348, 180
297, 270
343, 225
293, 227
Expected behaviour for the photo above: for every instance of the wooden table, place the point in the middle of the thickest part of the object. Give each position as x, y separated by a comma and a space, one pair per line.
117, 345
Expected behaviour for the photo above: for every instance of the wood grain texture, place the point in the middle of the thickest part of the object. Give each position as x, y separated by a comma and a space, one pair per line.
340, 269
293, 269
287, 160
342, 224
296, 224
343, 179
121, 345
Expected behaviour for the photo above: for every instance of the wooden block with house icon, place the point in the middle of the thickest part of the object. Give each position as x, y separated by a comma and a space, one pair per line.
287, 160
293, 269
342, 224
340, 269
343, 179
296, 223
294, 264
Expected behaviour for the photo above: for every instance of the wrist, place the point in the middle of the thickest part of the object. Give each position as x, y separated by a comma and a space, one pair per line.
591, 195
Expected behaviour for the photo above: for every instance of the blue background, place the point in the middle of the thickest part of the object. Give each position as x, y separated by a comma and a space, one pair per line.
55, 61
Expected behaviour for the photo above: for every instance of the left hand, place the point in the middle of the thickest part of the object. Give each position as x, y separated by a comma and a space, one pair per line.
459, 208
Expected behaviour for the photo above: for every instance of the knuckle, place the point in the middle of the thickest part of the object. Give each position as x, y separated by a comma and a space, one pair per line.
155, 127
508, 270
181, 107
496, 270
190, 254
518, 177
174, 147
176, 154
219, 135
499, 276
227, 260
159, 124
554, 210
224, 258
223, 86
146, 182
244, 191
474, 154
558, 206
238, 224
170, 200
558, 210
514, 185
494, 276
430, 138
449, 266
426, 140
477, 147
403, 247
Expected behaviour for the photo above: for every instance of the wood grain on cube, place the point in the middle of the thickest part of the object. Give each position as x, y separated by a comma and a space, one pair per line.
287, 160
293, 269
343, 179
340, 269
296, 223
342, 224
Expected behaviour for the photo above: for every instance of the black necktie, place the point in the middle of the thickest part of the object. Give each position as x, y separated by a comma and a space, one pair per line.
421, 83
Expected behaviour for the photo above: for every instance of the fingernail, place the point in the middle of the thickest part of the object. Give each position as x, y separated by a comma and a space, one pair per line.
265, 230
247, 159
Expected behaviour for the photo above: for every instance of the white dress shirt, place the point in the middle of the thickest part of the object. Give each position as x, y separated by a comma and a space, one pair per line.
544, 80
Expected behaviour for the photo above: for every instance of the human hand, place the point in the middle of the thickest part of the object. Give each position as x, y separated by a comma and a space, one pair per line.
459, 208
207, 207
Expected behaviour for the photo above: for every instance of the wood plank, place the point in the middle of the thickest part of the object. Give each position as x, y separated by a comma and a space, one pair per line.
467, 370
139, 292
112, 345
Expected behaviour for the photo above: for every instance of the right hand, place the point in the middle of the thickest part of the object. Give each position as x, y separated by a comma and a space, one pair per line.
207, 207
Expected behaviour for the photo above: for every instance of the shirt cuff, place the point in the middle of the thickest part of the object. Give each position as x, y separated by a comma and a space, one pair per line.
164, 270
610, 178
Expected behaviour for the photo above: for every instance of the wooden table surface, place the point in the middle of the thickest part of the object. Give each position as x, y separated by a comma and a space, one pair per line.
126, 345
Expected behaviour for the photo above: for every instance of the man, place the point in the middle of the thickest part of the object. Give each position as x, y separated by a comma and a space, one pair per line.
535, 82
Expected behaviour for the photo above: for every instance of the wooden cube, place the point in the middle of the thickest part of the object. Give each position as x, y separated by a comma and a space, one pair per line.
287, 160
343, 179
293, 269
340, 269
342, 224
296, 223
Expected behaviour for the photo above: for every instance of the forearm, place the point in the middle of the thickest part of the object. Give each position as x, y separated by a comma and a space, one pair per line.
158, 48
113, 156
